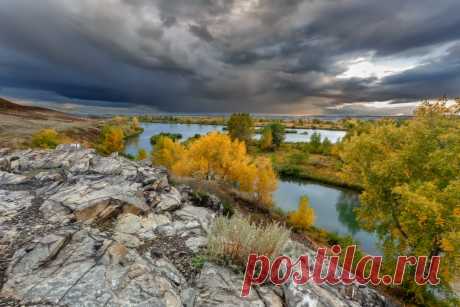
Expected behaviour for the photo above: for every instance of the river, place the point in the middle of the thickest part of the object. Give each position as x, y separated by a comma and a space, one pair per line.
189, 130
334, 209
333, 206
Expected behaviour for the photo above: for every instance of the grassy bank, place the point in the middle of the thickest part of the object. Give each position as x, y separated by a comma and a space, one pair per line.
291, 161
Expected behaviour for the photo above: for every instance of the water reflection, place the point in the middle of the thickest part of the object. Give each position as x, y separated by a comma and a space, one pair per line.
345, 208
334, 209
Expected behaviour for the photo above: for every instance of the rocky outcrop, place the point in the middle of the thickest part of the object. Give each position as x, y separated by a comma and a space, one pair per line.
77, 229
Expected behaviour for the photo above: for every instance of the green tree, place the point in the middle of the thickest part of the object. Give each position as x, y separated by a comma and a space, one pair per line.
266, 141
411, 186
315, 143
326, 146
241, 127
278, 133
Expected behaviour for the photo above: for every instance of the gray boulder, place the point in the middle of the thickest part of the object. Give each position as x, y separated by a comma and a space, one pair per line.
85, 268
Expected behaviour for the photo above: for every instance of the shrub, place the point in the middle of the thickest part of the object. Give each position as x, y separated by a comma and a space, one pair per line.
232, 240
198, 261
228, 210
315, 143
297, 158
316, 146
304, 217
290, 171
326, 147
46, 138
141, 154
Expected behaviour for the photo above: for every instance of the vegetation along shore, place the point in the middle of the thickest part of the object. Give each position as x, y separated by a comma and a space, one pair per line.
409, 194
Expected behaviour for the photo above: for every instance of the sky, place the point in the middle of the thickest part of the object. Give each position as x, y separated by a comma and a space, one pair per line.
261, 56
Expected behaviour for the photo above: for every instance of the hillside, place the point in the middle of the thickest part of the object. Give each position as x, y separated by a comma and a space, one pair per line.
122, 235
11, 108
19, 122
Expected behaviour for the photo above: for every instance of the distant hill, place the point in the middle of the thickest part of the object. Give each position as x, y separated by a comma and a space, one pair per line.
13, 109
6, 105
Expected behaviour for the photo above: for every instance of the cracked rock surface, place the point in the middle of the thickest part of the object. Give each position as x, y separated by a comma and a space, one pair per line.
78, 229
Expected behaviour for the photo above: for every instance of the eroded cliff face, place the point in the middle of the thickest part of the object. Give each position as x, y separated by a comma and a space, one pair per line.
78, 229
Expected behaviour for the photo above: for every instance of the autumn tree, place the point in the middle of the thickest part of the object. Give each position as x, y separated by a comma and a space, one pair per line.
304, 217
111, 140
217, 157
167, 152
278, 133
410, 175
241, 127
141, 154
266, 181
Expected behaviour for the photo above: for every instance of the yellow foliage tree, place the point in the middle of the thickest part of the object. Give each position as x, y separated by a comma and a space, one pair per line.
411, 195
141, 154
46, 138
111, 140
212, 157
166, 152
216, 157
304, 217
266, 180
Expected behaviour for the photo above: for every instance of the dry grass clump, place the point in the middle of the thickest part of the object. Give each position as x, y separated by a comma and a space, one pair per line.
232, 240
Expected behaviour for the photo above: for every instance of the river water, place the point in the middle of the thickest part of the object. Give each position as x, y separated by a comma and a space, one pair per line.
189, 130
334, 207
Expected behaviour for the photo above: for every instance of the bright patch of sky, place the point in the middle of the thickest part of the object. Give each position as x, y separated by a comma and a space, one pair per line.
367, 67
371, 66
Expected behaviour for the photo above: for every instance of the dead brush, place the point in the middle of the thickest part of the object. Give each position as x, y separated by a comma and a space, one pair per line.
234, 239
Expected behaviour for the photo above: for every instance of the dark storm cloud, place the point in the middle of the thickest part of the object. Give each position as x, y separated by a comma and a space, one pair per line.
201, 32
222, 55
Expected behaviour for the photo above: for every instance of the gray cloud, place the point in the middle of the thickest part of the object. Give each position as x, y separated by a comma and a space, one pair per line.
238, 55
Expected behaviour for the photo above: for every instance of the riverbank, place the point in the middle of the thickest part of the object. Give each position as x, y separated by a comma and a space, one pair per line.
314, 237
291, 161
236, 201
300, 123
